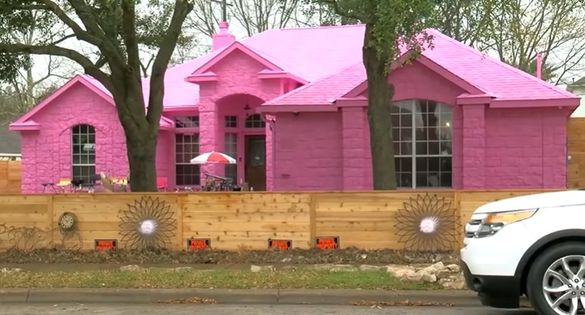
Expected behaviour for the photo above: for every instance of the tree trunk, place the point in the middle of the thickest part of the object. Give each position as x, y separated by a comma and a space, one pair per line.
380, 94
142, 162
141, 137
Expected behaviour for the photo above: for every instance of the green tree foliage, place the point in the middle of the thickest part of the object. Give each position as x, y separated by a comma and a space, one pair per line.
393, 27
113, 31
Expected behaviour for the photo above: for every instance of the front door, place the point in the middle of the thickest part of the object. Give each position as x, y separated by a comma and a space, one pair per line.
256, 162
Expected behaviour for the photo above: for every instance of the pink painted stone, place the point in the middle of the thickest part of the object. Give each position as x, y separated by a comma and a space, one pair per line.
508, 127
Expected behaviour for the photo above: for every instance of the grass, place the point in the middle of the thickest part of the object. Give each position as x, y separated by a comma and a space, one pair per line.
227, 279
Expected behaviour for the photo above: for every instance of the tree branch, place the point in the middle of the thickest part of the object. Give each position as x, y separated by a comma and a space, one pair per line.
129, 34
167, 46
89, 67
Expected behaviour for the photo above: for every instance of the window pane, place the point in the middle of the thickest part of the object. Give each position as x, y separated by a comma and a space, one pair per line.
446, 179
186, 148
434, 164
83, 152
255, 121
422, 164
434, 147
405, 180
433, 126
187, 121
445, 148
230, 121
421, 148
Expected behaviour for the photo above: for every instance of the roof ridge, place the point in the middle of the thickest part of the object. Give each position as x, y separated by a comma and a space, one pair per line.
503, 64
318, 27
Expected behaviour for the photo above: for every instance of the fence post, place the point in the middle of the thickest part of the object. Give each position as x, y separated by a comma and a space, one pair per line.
50, 214
180, 221
312, 219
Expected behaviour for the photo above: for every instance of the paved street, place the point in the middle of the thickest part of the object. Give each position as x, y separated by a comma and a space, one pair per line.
166, 309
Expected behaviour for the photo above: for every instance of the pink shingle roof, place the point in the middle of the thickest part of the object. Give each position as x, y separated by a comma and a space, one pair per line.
324, 91
312, 53
487, 74
330, 58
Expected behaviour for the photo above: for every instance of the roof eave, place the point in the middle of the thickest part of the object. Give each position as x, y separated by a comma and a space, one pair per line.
296, 108
528, 103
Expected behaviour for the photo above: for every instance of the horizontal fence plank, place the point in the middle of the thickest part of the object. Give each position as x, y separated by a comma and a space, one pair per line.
240, 221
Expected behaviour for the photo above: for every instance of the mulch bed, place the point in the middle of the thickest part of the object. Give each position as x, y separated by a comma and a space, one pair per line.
219, 257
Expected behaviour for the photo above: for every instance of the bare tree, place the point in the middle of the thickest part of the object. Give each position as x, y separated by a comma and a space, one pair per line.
519, 29
465, 20
254, 16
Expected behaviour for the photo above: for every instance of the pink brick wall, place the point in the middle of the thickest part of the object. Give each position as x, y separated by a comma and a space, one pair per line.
50, 148
525, 148
308, 152
357, 174
47, 153
473, 146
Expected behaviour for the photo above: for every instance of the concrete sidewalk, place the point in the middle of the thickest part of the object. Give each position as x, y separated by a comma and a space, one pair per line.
231, 296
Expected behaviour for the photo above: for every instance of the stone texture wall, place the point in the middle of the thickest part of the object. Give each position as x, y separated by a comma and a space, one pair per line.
357, 174
308, 151
526, 148
237, 76
47, 152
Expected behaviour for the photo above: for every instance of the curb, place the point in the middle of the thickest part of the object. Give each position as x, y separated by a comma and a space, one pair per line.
231, 296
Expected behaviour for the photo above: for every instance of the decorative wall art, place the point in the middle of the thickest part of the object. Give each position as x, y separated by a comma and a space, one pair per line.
23, 238
148, 223
427, 223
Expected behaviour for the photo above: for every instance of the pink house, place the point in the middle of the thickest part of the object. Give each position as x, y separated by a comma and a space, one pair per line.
290, 106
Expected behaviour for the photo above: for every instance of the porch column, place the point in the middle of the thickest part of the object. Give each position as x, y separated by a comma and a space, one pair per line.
208, 137
474, 133
355, 148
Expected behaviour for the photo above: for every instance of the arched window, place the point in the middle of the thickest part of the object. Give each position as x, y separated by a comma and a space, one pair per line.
255, 121
83, 152
421, 133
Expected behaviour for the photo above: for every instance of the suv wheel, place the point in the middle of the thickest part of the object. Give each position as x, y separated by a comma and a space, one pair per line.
555, 283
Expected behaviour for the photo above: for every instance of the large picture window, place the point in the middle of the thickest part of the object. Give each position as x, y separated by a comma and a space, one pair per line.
83, 152
187, 147
421, 133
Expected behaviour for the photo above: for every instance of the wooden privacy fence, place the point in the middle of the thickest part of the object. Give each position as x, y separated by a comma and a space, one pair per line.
421, 220
9, 176
576, 153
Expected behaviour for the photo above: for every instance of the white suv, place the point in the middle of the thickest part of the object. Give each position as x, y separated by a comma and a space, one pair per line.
533, 245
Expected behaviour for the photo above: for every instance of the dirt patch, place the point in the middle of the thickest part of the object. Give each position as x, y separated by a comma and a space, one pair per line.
273, 257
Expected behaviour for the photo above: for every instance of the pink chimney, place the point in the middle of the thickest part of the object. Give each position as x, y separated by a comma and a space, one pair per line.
539, 65
222, 38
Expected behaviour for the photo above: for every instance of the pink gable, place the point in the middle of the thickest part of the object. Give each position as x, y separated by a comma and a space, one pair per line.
312, 53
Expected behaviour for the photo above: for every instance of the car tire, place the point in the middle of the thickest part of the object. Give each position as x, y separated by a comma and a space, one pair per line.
548, 270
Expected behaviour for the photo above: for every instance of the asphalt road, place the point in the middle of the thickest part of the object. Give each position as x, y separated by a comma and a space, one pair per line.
171, 309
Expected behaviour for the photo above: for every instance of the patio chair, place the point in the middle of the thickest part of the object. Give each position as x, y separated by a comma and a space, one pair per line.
63, 184
93, 181
48, 186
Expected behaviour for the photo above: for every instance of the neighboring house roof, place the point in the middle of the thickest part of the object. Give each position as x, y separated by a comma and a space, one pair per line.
9, 141
579, 84
453, 60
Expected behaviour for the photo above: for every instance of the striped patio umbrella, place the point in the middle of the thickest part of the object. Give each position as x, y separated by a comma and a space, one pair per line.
213, 157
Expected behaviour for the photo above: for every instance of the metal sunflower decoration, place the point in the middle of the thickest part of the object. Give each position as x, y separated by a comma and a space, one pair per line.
147, 224
427, 223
